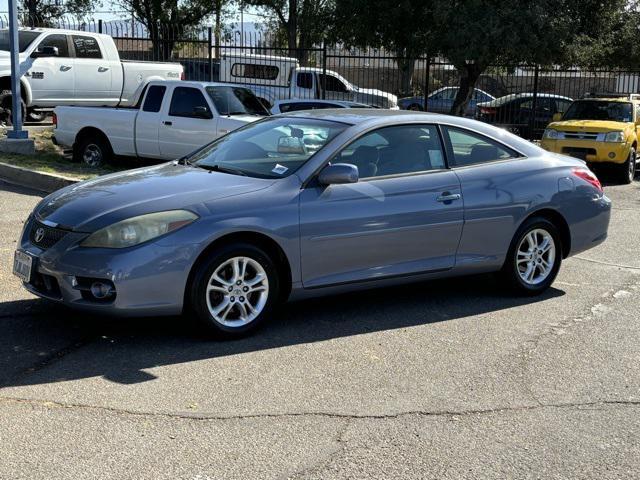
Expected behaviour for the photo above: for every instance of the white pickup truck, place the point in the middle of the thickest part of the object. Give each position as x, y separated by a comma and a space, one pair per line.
69, 67
275, 78
173, 120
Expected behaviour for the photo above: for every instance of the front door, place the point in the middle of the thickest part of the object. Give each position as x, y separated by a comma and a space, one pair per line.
335, 89
148, 122
52, 78
403, 217
188, 125
93, 72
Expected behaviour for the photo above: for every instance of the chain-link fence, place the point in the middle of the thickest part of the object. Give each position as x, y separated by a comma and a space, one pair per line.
523, 98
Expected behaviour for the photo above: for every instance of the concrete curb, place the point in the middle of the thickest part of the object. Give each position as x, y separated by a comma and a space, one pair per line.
45, 182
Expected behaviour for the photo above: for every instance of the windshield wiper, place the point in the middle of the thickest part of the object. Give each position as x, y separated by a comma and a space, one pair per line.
218, 168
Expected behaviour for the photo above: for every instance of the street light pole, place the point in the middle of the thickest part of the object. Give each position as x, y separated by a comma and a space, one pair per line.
16, 107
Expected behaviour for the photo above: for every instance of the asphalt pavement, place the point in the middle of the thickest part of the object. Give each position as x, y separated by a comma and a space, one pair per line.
442, 380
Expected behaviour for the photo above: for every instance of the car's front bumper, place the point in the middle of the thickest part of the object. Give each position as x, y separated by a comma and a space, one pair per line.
590, 151
149, 279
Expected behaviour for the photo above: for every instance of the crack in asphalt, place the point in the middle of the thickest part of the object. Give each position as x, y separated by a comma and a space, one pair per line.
319, 414
608, 264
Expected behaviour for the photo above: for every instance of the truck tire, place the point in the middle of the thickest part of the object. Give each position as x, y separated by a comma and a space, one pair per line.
626, 171
93, 150
6, 108
36, 116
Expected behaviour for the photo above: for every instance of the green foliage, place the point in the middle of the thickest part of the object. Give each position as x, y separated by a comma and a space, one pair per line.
41, 12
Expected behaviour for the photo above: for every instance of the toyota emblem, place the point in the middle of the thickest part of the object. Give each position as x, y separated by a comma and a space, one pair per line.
39, 235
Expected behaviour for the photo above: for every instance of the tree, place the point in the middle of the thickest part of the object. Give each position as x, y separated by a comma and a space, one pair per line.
167, 20
42, 12
475, 34
304, 21
404, 27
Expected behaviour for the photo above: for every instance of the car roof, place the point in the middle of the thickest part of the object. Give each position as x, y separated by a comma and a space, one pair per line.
608, 99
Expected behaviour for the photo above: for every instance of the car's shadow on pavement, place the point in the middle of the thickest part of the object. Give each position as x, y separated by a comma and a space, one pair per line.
36, 341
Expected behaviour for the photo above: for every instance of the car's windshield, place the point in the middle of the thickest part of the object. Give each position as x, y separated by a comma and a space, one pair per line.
25, 38
236, 101
273, 148
600, 110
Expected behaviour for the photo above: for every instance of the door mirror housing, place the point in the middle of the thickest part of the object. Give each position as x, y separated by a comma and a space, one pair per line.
557, 116
46, 51
338, 173
202, 112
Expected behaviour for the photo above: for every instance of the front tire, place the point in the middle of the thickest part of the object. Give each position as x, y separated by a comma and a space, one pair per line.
627, 171
534, 257
234, 290
6, 108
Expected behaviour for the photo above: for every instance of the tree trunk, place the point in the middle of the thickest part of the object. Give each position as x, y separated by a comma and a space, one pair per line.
469, 75
218, 25
406, 65
292, 28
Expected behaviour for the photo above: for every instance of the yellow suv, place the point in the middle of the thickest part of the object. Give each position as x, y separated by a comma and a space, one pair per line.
600, 129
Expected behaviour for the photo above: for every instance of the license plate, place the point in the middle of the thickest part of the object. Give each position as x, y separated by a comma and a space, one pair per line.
22, 265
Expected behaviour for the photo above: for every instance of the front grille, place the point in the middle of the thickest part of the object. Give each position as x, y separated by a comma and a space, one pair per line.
44, 236
581, 135
580, 153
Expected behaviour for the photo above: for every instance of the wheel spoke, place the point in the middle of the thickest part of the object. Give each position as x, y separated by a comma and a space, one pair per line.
221, 280
235, 264
243, 311
255, 280
221, 306
226, 311
216, 288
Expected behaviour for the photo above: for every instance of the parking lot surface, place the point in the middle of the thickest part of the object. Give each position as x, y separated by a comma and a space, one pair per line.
450, 379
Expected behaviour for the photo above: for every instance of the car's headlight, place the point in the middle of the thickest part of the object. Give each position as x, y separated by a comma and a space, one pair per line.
135, 230
617, 137
550, 134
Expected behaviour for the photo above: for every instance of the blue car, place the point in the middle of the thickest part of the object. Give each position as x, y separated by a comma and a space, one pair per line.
441, 101
307, 204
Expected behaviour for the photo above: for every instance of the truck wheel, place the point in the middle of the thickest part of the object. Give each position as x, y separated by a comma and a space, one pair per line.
36, 116
627, 170
93, 150
6, 108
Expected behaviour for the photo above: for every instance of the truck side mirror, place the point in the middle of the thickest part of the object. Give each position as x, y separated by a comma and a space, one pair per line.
557, 117
202, 112
46, 51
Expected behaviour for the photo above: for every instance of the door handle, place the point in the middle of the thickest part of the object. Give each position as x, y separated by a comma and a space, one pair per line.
167, 123
102, 69
65, 68
448, 197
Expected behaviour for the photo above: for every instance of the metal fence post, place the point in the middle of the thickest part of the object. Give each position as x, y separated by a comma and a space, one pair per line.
100, 26
16, 100
210, 52
427, 77
324, 68
534, 103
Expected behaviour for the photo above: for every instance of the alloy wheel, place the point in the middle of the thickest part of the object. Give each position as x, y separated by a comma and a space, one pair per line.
535, 256
92, 155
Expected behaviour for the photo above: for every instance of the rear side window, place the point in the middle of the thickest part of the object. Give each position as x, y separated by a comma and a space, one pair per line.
189, 102
86, 47
153, 101
305, 80
250, 70
58, 41
470, 148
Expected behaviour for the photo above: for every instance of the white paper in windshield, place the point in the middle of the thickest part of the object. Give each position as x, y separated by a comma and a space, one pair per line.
279, 169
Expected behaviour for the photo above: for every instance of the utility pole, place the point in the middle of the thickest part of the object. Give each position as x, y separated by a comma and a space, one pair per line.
17, 140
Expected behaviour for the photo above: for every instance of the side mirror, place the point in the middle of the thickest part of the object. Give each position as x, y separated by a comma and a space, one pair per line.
557, 117
46, 51
202, 112
338, 173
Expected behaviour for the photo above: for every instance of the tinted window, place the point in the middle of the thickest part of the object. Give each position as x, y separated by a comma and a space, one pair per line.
332, 84
25, 39
58, 41
395, 151
86, 47
189, 102
599, 110
249, 70
153, 101
446, 94
562, 105
305, 80
235, 101
543, 104
469, 148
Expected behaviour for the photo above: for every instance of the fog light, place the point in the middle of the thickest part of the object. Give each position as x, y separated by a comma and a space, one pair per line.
101, 290
612, 155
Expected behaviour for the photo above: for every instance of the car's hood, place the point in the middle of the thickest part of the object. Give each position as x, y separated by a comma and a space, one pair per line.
93, 204
590, 126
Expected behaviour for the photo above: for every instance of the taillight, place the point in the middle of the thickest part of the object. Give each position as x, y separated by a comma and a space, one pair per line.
54, 119
588, 176
182, 75
487, 110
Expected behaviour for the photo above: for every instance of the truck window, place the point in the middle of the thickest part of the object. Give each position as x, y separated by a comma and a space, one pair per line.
153, 101
332, 84
189, 102
25, 39
86, 47
251, 70
305, 80
58, 41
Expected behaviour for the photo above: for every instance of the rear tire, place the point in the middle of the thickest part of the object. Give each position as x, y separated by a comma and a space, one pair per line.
534, 257
6, 108
626, 172
93, 150
234, 291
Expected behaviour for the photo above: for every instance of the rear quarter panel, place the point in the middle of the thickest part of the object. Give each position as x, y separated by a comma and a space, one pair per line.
138, 74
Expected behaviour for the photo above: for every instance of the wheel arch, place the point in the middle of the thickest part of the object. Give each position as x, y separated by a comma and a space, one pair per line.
87, 131
559, 221
258, 239
25, 90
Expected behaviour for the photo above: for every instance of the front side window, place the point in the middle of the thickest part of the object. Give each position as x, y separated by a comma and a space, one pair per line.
235, 101
396, 150
86, 47
304, 80
189, 102
25, 39
332, 84
542, 104
272, 148
600, 110
470, 148
153, 101
58, 41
